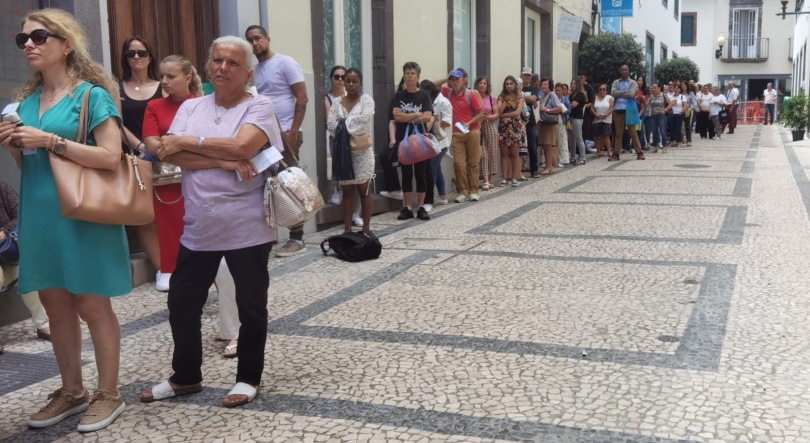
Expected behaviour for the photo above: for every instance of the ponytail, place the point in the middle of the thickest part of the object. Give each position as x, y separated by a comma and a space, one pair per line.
195, 86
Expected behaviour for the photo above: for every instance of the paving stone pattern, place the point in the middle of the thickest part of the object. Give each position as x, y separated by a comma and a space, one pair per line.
637, 301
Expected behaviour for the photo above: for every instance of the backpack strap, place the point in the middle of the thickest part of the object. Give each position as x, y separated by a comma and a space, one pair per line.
469, 102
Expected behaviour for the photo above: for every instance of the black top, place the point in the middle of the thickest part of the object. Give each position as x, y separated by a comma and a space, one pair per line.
591, 94
133, 110
409, 103
577, 112
527, 92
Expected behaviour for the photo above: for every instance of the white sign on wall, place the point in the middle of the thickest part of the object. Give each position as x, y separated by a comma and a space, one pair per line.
569, 29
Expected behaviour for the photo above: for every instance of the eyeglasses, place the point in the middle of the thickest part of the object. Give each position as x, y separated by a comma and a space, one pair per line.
338, 77
38, 37
132, 53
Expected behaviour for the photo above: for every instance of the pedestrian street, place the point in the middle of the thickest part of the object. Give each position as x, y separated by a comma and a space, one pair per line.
662, 300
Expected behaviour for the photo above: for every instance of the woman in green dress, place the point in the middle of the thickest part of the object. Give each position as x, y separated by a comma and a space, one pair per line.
76, 266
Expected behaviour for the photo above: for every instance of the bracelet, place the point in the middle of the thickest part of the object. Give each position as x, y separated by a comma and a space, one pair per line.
49, 144
139, 146
199, 144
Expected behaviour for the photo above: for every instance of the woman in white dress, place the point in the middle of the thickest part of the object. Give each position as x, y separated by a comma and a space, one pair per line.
357, 111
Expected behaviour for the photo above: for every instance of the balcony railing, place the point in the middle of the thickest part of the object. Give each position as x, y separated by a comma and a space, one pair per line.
745, 50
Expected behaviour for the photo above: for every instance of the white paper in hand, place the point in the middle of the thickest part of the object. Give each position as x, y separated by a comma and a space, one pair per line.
11, 107
264, 160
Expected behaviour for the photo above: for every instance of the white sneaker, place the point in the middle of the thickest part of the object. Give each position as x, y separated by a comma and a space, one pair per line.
396, 195
357, 220
428, 208
590, 151
162, 282
335, 199
440, 202
461, 198
515, 183
503, 183
474, 197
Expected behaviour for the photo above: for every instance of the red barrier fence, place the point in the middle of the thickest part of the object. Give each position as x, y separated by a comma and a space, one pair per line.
751, 113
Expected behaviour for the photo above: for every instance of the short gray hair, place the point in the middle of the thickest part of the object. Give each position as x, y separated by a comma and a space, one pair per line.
250, 60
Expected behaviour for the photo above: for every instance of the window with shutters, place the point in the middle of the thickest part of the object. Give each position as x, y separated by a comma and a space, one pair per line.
689, 29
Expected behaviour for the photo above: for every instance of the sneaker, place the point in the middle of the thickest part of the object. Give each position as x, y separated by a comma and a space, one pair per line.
162, 282
428, 208
104, 409
62, 405
613, 158
640, 156
503, 183
335, 199
515, 183
291, 248
590, 151
581, 162
396, 195
405, 214
357, 220
422, 214
474, 197
440, 202
461, 198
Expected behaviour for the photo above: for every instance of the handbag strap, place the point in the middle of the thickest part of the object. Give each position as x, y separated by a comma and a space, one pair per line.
286, 143
84, 117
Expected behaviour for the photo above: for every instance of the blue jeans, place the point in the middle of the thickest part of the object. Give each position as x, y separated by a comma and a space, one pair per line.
531, 143
675, 123
659, 129
769, 110
438, 176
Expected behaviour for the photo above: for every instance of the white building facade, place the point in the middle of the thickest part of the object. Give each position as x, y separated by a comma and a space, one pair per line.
656, 25
801, 34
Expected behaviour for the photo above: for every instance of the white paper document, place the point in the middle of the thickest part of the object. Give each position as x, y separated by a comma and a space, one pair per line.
462, 128
12, 107
264, 160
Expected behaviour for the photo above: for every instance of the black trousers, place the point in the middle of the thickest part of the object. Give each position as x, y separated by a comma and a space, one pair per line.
194, 275
704, 125
423, 174
390, 173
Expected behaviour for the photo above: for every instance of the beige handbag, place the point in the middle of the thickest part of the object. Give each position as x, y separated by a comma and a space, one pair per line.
120, 197
360, 142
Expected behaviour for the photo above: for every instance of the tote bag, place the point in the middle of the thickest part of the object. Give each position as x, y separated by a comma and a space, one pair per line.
416, 146
632, 117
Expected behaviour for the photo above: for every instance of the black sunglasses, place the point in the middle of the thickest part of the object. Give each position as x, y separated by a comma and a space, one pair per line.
132, 53
339, 77
603, 89
38, 37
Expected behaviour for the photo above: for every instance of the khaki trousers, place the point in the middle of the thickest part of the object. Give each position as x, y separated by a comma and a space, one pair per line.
31, 299
618, 129
467, 161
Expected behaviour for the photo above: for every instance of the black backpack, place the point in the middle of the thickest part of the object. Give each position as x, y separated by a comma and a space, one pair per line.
354, 246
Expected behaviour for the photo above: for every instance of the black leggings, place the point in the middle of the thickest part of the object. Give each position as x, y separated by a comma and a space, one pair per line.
423, 173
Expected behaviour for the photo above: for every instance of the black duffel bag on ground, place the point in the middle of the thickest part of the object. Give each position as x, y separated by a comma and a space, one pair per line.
353, 246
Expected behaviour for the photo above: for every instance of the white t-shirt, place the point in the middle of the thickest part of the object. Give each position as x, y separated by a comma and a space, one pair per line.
770, 96
717, 101
273, 79
443, 110
677, 108
705, 100
733, 94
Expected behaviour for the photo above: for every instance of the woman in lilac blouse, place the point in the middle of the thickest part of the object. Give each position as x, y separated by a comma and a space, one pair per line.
213, 139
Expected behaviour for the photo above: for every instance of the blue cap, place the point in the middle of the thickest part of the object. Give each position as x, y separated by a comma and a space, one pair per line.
455, 73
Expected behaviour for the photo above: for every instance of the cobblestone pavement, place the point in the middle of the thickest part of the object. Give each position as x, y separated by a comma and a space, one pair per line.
654, 301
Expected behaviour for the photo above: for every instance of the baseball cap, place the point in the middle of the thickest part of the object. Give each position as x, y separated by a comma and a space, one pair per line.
526, 71
455, 73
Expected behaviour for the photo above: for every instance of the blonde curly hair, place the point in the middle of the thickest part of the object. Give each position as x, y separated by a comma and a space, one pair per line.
80, 65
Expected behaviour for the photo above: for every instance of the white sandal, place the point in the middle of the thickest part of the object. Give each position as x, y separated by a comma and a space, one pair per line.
241, 389
164, 390
228, 349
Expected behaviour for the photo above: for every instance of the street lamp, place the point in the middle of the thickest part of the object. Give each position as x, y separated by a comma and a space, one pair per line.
721, 41
797, 11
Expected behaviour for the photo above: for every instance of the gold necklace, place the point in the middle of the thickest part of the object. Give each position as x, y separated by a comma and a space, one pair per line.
53, 97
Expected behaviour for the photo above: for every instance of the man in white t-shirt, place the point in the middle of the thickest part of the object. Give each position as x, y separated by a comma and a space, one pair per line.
281, 78
732, 97
770, 102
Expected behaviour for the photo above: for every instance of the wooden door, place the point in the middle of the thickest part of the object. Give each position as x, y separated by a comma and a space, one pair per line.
183, 27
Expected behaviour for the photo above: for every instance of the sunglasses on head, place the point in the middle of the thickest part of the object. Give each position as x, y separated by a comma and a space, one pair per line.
38, 37
339, 77
131, 53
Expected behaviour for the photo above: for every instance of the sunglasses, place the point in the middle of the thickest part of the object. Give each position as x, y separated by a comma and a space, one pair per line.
132, 53
338, 77
38, 37
603, 89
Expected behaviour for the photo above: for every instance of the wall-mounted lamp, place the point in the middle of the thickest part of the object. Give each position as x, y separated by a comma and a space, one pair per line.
784, 13
721, 41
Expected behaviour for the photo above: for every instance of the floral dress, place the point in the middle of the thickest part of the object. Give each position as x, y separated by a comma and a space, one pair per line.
510, 129
358, 121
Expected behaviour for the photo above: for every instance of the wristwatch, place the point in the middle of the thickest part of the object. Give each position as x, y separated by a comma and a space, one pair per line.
60, 147
199, 144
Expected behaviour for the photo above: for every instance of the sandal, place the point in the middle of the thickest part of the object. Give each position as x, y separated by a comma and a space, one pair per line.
164, 390
547, 171
521, 178
230, 350
486, 186
536, 175
240, 390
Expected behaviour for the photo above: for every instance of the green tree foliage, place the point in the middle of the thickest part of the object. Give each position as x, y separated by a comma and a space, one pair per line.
675, 69
603, 54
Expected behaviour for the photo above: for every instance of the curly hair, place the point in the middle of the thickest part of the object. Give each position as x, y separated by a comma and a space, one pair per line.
80, 65
187, 68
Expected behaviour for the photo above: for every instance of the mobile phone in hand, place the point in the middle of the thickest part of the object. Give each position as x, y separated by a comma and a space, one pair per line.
13, 118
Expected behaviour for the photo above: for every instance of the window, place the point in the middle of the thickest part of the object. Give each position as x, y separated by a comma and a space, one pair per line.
677, 9
663, 52
745, 33
532, 40
689, 29
674, 54
343, 35
665, 3
649, 57
463, 35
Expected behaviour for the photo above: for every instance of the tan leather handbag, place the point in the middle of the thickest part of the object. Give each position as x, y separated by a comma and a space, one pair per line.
120, 197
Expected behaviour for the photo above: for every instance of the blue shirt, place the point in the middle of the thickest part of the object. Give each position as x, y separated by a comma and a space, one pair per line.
621, 103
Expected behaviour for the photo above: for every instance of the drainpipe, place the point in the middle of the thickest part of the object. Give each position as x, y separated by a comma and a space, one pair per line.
263, 13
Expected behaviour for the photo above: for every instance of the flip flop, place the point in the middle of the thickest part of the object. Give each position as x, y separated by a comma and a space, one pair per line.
241, 389
228, 349
164, 390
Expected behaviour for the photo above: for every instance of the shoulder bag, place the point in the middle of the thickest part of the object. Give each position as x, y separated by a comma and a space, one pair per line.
120, 197
353, 246
416, 146
544, 117
291, 197
437, 129
9, 250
